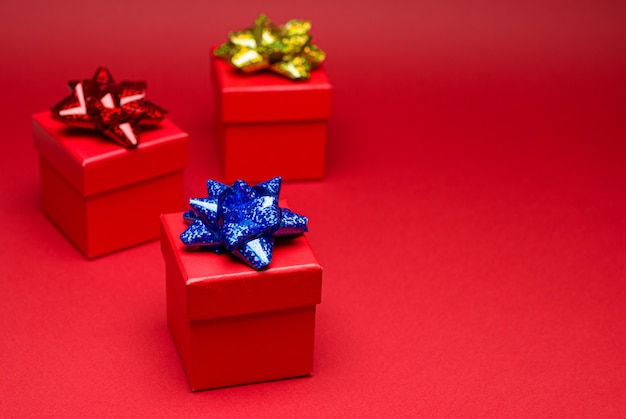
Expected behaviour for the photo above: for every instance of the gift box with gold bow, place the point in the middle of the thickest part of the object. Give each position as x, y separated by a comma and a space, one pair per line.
110, 163
273, 102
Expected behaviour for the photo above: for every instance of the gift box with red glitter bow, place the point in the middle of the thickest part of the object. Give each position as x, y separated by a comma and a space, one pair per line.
110, 163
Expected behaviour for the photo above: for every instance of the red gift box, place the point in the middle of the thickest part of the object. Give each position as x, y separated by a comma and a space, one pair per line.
104, 197
234, 325
270, 126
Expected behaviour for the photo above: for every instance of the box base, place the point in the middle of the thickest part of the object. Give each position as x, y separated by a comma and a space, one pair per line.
244, 349
109, 221
259, 151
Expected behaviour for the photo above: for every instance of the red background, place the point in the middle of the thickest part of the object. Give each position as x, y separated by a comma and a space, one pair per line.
471, 225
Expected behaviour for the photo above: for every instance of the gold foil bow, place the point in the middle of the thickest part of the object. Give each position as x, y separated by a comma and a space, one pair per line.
284, 49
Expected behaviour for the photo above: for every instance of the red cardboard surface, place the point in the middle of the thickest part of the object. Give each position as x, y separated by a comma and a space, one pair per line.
471, 223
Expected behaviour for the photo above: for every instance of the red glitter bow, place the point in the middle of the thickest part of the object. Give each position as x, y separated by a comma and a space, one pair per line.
115, 109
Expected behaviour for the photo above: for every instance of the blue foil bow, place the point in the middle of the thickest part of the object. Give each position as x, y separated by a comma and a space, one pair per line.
242, 220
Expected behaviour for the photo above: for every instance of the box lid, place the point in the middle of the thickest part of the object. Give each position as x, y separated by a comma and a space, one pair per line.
212, 286
266, 97
93, 164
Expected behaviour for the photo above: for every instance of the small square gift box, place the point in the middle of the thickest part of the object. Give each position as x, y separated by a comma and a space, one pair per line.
110, 163
273, 102
242, 287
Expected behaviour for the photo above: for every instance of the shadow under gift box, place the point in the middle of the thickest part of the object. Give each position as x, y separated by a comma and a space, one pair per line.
268, 125
102, 196
233, 325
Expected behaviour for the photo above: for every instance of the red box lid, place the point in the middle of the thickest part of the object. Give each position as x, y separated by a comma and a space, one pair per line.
267, 97
93, 164
212, 286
